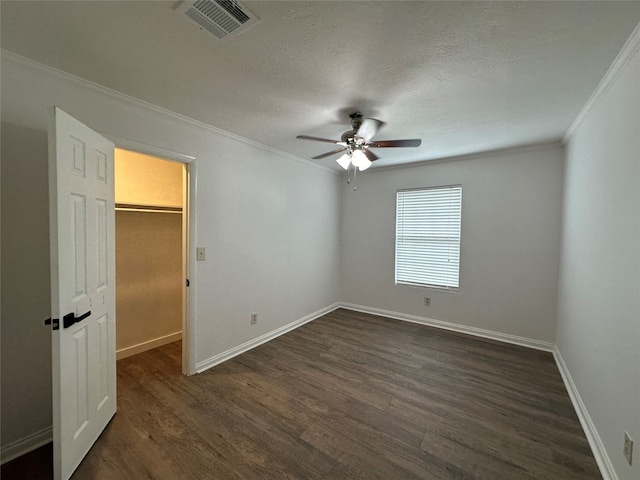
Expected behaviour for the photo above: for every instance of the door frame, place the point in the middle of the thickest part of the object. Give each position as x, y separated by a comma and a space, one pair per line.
189, 222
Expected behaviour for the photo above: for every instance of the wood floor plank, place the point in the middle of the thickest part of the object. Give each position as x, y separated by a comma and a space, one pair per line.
352, 454
248, 434
323, 402
347, 396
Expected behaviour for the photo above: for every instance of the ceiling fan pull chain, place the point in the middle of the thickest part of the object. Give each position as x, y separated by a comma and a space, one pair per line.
348, 173
355, 177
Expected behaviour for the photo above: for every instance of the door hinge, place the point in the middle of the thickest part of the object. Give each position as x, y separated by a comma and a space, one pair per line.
54, 322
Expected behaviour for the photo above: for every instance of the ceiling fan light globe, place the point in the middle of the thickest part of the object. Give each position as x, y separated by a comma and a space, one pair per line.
364, 164
344, 161
360, 160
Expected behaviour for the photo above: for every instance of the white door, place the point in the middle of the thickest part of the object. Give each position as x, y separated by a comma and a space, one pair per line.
82, 223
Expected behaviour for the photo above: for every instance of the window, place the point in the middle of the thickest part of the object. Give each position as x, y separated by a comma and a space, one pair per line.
428, 237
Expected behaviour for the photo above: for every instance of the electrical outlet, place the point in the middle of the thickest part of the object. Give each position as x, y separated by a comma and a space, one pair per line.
254, 318
628, 447
427, 301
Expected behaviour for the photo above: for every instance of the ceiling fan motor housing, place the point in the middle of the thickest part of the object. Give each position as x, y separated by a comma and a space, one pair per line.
356, 120
349, 136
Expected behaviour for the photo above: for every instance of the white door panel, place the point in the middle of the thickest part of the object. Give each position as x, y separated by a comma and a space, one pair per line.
82, 223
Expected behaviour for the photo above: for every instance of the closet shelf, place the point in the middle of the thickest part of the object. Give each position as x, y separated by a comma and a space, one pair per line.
132, 207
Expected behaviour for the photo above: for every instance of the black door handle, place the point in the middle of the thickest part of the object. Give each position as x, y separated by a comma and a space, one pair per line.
70, 318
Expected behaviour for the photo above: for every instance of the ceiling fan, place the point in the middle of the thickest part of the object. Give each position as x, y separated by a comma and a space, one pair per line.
357, 142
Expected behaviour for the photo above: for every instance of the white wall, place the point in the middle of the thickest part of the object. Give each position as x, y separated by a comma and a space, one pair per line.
25, 376
511, 205
271, 226
599, 289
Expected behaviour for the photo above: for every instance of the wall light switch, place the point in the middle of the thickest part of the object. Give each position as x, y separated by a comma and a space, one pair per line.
200, 254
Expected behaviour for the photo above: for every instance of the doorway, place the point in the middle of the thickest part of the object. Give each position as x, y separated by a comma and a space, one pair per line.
151, 251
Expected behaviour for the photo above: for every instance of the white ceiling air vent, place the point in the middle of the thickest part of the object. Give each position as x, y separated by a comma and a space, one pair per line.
222, 18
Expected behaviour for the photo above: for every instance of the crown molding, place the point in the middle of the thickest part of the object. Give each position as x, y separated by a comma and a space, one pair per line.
529, 147
29, 63
624, 56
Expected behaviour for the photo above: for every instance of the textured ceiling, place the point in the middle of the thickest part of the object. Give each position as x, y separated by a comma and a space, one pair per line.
463, 76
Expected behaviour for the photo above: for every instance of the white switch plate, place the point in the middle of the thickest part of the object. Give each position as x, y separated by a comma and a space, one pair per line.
200, 254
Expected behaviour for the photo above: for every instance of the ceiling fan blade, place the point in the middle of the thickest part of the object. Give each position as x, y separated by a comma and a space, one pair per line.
415, 142
317, 139
368, 128
318, 157
370, 155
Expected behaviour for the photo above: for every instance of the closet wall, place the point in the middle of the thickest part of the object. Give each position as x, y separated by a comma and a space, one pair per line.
148, 251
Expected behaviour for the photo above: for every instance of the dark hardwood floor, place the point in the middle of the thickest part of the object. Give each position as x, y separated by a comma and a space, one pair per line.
348, 396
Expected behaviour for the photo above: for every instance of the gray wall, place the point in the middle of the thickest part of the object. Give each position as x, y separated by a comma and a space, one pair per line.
270, 223
25, 395
599, 296
273, 231
511, 204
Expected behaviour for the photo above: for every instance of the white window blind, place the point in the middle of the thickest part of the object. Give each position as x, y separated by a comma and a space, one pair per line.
428, 237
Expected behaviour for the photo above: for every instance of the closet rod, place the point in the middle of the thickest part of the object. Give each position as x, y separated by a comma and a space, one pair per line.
128, 207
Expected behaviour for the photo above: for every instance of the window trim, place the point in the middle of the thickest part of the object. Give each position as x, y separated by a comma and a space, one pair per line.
431, 286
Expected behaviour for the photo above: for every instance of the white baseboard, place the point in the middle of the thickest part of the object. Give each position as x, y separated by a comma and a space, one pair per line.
43, 437
35, 440
224, 356
144, 346
455, 327
25, 445
597, 447
38, 439
600, 454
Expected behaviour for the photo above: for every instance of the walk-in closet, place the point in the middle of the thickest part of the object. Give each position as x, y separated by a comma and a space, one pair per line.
149, 251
